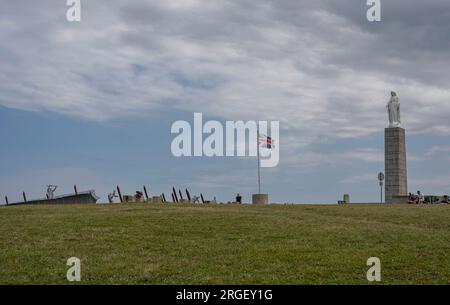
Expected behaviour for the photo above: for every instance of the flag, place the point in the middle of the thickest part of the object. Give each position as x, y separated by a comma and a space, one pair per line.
265, 141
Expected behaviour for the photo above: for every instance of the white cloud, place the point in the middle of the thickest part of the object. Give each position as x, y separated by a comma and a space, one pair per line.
311, 159
437, 149
360, 178
300, 63
437, 181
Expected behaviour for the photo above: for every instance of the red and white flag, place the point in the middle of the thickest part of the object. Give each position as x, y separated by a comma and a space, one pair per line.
266, 142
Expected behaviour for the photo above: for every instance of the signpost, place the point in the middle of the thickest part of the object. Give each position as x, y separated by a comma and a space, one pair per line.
381, 179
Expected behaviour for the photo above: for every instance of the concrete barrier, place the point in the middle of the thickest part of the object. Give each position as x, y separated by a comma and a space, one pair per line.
260, 199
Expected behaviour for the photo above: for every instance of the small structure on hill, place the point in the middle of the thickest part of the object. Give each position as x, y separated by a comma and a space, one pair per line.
76, 198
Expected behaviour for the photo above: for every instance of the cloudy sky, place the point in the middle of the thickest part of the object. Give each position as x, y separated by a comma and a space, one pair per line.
92, 102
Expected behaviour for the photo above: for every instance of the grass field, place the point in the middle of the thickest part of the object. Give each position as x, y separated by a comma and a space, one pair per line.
225, 244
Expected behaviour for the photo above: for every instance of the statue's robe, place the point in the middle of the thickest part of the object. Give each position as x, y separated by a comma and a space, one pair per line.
394, 112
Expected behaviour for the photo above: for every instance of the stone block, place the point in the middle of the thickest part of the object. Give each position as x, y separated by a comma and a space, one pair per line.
396, 183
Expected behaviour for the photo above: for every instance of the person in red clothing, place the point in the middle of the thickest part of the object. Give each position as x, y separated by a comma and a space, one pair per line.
412, 199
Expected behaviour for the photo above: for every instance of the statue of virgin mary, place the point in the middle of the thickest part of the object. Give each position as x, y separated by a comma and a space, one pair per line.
394, 111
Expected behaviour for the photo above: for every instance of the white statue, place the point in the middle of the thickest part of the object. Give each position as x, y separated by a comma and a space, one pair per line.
394, 111
111, 196
51, 191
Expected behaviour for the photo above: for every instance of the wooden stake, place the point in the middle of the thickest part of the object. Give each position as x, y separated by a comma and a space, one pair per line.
188, 195
175, 194
120, 194
145, 191
181, 194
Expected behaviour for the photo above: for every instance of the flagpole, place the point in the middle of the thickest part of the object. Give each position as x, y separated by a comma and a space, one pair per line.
259, 162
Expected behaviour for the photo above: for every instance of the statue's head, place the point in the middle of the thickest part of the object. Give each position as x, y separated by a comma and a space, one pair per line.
393, 94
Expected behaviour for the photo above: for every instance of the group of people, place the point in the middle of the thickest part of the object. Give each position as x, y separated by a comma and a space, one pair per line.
419, 198
416, 199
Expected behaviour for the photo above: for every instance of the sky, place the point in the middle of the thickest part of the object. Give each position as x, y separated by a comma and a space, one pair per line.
91, 103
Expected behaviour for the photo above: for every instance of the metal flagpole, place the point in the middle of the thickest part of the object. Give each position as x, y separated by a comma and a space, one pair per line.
259, 162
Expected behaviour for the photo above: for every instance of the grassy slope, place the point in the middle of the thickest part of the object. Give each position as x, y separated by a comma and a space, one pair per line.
156, 244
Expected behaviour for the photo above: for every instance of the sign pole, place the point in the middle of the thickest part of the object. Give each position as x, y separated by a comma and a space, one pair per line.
381, 179
381, 192
259, 162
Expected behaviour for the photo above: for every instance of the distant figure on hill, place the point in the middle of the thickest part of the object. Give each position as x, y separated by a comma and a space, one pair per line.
239, 198
138, 196
111, 196
421, 198
412, 199
51, 191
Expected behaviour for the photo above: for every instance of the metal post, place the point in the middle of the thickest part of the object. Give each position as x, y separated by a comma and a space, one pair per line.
164, 198
381, 179
145, 191
6, 199
381, 191
75, 189
203, 199
120, 194
174, 192
259, 162
188, 195
24, 197
181, 195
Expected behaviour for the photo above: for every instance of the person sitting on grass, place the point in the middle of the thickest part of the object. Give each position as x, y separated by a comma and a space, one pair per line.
138, 196
239, 198
412, 199
420, 197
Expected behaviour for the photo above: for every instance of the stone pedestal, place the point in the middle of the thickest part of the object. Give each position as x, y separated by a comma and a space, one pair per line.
260, 199
395, 163
346, 199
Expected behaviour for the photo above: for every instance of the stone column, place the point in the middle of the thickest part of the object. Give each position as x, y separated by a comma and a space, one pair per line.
260, 199
395, 163
347, 198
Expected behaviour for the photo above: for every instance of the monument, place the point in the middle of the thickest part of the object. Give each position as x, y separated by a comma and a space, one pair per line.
396, 185
51, 191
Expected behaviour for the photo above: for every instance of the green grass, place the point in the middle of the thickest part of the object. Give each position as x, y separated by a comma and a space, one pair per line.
225, 244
